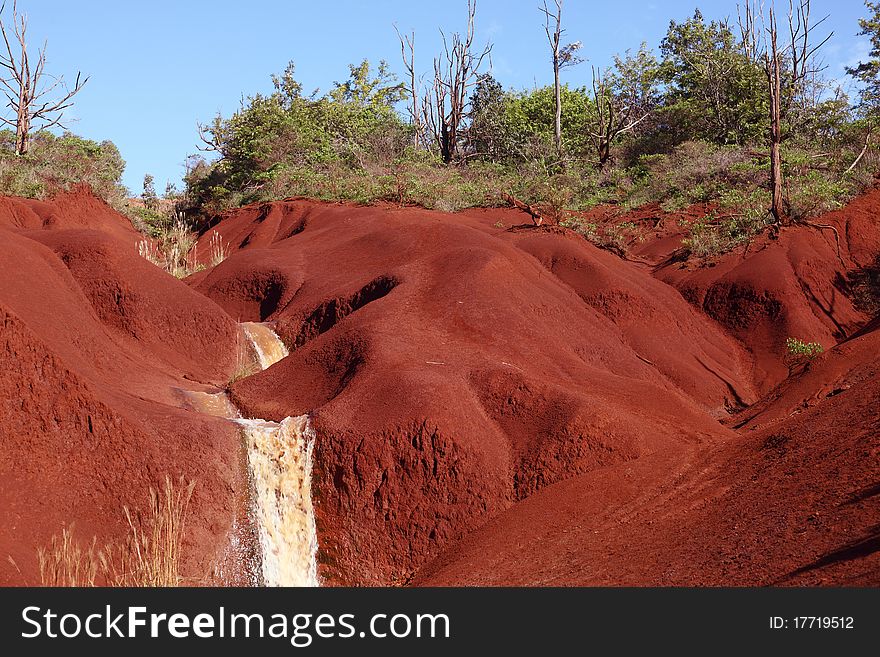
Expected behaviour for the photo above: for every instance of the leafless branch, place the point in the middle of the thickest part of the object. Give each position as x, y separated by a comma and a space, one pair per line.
24, 86
445, 103
407, 54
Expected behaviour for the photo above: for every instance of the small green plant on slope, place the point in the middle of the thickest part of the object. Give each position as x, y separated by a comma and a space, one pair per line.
803, 351
715, 234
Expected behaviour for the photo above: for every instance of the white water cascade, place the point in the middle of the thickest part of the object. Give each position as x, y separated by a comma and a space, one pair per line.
266, 344
279, 456
280, 464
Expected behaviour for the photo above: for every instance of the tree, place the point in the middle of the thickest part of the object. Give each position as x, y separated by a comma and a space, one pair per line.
445, 104
488, 133
278, 141
36, 98
365, 89
529, 119
791, 69
622, 99
151, 201
773, 69
713, 90
562, 56
408, 44
868, 73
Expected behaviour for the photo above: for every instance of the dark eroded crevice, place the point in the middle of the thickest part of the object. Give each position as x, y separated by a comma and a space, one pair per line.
331, 312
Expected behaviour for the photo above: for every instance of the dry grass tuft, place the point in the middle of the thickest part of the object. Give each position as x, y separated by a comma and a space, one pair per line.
150, 555
175, 250
219, 252
65, 563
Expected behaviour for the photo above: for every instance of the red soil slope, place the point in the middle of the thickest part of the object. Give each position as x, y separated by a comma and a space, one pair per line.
95, 342
791, 284
452, 372
456, 368
794, 499
494, 403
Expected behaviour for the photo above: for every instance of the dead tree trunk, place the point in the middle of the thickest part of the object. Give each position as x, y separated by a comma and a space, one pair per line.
445, 105
561, 57
32, 103
557, 133
774, 81
614, 117
861, 152
22, 119
448, 137
604, 152
408, 43
788, 73
553, 37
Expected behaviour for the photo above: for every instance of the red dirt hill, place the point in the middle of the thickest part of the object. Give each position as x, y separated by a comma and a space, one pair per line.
95, 342
456, 368
794, 500
494, 403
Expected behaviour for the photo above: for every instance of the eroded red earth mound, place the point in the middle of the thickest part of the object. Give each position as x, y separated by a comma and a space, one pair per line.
494, 403
96, 343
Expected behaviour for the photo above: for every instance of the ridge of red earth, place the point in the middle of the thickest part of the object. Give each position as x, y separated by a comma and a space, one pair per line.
494, 403
792, 500
797, 282
456, 365
96, 345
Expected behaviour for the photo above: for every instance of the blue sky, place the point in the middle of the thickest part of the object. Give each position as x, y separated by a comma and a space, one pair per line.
159, 67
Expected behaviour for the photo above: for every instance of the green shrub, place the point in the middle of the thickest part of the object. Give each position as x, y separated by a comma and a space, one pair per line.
717, 233
55, 164
800, 350
698, 148
811, 194
693, 172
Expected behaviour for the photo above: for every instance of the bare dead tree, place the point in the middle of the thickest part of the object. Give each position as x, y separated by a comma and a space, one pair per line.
615, 114
789, 68
773, 69
36, 98
562, 56
445, 103
805, 65
408, 55
751, 39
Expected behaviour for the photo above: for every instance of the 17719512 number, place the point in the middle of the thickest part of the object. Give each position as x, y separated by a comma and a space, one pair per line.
812, 622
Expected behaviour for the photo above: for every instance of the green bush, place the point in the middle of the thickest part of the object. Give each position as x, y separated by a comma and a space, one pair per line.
54, 164
801, 350
693, 172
